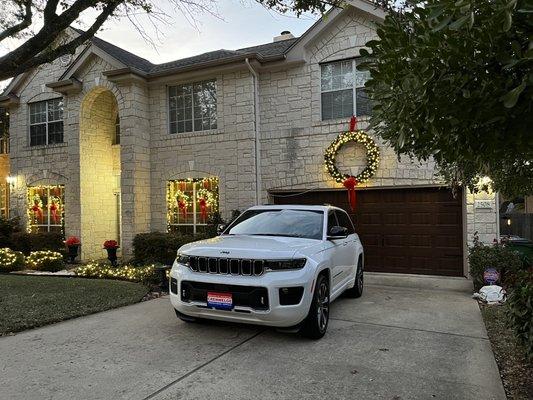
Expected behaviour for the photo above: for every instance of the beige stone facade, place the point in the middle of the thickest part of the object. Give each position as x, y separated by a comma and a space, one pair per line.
117, 191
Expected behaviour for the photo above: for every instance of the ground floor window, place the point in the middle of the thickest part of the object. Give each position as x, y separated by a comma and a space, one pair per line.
46, 208
191, 203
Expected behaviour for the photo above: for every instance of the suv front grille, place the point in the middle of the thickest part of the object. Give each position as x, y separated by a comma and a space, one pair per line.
227, 266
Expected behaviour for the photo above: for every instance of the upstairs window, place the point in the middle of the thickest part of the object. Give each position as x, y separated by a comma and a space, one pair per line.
343, 90
4, 131
193, 107
46, 122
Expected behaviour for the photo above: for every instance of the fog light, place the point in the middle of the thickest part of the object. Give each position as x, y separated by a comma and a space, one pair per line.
290, 295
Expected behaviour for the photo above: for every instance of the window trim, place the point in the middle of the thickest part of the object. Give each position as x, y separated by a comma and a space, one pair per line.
47, 121
192, 111
353, 88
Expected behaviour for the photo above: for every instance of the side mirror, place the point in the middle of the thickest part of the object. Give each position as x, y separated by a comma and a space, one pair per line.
337, 232
221, 228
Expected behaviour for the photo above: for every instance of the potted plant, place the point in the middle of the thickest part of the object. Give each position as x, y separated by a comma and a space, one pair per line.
111, 246
73, 243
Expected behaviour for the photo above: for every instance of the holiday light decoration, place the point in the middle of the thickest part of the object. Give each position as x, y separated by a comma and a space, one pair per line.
372, 159
11, 260
372, 156
126, 272
45, 260
200, 194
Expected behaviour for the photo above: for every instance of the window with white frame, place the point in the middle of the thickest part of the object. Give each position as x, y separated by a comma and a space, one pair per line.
46, 122
192, 107
191, 203
343, 90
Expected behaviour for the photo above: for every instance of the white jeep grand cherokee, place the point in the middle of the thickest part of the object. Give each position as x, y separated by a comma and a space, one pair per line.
274, 265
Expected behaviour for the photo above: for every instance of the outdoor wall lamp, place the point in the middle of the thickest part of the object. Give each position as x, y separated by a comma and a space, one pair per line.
11, 180
509, 221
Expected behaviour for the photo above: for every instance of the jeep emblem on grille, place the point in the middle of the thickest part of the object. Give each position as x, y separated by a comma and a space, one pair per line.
224, 252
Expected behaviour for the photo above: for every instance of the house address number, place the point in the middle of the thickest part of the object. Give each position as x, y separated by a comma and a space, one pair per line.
483, 204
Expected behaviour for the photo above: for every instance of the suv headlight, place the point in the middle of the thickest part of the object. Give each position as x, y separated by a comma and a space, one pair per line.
183, 259
282, 265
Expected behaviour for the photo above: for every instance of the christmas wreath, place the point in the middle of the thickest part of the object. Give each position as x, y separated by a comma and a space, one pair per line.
372, 159
37, 207
206, 198
55, 204
183, 201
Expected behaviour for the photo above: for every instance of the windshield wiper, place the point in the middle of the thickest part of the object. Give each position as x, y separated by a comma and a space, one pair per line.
276, 234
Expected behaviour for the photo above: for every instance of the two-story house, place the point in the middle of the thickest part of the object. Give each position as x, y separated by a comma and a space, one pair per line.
105, 145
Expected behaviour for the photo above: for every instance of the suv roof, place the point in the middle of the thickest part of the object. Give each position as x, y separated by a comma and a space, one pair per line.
295, 207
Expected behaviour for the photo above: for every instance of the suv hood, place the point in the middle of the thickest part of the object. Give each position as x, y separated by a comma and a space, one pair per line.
247, 246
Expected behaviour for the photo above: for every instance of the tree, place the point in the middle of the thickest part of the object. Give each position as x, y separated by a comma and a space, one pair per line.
56, 16
453, 80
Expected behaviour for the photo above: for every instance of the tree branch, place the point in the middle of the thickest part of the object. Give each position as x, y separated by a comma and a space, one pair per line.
26, 22
71, 46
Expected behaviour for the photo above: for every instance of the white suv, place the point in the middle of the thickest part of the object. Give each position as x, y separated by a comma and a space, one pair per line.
274, 265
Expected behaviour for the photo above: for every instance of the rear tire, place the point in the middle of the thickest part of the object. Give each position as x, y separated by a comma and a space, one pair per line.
185, 318
316, 323
357, 290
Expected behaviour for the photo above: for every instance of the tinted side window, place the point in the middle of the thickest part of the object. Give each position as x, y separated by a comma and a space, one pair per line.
332, 221
345, 221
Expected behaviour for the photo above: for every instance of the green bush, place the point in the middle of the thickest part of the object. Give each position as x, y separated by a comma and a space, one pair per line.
11, 260
520, 311
28, 242
8, 227
497, 256
159, 248
145, 274
47, 260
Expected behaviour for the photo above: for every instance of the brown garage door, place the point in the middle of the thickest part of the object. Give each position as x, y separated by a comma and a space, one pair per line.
415, 230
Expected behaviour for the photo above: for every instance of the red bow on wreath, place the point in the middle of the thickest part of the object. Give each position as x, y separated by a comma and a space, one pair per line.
53, 211
350, 184
203, 207
37, 211
183, 207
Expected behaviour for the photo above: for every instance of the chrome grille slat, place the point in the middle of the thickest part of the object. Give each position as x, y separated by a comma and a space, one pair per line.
227, 266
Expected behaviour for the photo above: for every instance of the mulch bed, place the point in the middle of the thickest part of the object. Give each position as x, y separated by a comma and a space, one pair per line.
516, 373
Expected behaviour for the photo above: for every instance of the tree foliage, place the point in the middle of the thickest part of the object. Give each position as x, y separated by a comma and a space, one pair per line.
452, 80
17, 17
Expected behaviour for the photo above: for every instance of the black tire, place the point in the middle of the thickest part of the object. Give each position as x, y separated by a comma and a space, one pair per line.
185, 318
316, 323
357, 290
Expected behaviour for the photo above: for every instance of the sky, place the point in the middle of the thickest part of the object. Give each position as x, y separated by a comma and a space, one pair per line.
236, 24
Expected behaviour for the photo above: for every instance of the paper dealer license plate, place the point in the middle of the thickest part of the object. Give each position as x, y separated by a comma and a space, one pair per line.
220, 301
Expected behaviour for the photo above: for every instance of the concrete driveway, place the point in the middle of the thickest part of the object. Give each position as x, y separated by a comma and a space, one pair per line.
406, 338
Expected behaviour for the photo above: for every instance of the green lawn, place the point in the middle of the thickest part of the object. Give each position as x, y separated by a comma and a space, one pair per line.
31, 301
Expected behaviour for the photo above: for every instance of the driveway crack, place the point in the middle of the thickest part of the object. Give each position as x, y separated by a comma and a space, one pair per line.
205, 364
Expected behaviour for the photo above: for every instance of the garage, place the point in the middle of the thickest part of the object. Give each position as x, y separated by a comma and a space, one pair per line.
413, 231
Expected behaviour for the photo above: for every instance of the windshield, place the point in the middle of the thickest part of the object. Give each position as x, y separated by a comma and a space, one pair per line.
292, 223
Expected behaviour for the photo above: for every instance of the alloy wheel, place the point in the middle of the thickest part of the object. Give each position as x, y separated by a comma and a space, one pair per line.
323, 306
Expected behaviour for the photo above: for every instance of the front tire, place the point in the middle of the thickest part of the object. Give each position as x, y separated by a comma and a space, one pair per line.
316, 323
357, 290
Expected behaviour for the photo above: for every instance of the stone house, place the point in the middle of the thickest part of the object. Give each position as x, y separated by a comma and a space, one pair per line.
105, 145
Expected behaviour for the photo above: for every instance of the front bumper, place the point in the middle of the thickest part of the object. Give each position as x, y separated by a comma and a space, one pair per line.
259, 310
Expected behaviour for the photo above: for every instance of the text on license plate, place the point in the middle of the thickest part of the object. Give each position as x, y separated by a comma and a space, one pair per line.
222, 301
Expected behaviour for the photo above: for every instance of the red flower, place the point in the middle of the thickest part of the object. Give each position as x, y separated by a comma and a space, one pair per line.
111, 244
72, 241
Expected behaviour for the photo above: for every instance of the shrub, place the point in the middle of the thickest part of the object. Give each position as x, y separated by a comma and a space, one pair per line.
11, 260
7, 228
126, 272
47, 260
497, 256
520, 311
28, 242
157, 247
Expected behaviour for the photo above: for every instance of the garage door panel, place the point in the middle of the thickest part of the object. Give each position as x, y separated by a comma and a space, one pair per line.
412, 230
